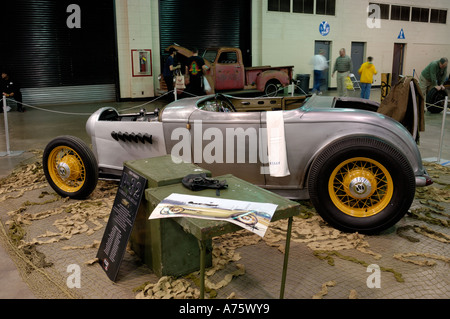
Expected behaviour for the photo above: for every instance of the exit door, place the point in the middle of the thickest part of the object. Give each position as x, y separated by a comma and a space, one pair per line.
325, 46
397, 63
358, 49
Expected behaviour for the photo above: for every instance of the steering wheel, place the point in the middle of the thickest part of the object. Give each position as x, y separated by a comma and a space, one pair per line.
226, 100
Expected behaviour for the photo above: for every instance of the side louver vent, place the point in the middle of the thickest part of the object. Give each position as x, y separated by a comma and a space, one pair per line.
132, 137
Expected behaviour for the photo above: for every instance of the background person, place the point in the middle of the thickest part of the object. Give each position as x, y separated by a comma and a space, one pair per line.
343, 66
320, 64
195, 66
367, 70
433, 76
169, 67
11, 90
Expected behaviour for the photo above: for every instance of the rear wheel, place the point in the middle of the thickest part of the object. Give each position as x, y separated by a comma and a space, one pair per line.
361, 185
272, 88
70, 167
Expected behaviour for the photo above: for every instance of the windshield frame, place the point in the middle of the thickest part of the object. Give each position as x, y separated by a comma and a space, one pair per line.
209, 53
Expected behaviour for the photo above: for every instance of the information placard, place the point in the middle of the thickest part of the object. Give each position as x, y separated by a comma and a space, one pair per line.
120, 223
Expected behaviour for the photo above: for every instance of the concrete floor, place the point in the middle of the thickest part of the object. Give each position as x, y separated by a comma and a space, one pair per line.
33, 129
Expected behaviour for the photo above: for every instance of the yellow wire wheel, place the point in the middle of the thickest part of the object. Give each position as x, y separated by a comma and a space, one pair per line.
70, 167
361, 184
360, 187
66, 169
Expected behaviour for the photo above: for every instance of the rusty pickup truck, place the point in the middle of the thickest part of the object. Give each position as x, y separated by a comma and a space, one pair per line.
227, 72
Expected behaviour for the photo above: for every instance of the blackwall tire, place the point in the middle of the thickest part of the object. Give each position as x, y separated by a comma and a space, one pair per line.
361, 185
70, 167
435, 100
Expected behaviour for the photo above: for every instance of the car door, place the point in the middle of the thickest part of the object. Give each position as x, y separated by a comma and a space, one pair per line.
227, 143
296, 136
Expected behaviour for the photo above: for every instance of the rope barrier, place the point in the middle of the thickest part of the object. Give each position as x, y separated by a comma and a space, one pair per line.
46, 110
146, 103
435, 105
84, 114
123, 110
170, 92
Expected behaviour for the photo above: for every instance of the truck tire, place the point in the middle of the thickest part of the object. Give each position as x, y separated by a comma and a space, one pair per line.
70, 167
361, 185
435, 100
272, 87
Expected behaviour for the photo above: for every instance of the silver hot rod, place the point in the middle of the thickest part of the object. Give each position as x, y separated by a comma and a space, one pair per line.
359, 168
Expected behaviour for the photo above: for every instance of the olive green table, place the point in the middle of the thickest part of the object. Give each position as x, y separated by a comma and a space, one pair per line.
181, 245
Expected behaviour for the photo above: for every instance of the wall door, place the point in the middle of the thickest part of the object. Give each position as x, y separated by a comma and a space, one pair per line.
397, 62
357, 55
325, 46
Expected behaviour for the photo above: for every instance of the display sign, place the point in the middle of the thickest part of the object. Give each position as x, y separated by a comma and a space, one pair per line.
324, 28
120, 223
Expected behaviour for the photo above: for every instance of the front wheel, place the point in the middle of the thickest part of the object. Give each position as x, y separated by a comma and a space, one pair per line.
361, 185
70, 167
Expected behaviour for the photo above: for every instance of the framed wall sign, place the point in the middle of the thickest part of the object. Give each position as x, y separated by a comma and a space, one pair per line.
141, 62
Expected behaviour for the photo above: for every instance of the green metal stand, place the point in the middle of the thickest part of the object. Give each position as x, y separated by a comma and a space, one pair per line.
286, 257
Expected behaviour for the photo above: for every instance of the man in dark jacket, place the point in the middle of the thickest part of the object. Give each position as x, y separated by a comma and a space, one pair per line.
11, 90
169, 67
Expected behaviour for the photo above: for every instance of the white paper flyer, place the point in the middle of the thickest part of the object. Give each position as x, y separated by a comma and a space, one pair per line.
252, 216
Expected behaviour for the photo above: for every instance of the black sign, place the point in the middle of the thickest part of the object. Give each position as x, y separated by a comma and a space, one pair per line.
120, 223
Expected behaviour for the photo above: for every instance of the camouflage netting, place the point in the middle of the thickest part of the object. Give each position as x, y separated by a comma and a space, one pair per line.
45, 234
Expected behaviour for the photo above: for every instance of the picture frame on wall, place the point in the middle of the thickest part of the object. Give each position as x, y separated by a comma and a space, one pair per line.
141, 62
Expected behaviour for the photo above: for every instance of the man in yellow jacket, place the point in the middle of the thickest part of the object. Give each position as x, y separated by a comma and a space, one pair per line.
367, 70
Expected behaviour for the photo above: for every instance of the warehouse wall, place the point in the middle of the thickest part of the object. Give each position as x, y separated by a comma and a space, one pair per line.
155, 24
135, 23
280, 38
60, 52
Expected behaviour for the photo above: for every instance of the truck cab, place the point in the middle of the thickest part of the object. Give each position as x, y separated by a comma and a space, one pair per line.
227, 68
227, 72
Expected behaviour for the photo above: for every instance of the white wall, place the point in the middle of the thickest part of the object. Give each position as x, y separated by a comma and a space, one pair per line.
136, 31
280, 38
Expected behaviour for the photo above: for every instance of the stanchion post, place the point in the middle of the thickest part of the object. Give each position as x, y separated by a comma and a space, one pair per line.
5, 112
442, 129
8, 151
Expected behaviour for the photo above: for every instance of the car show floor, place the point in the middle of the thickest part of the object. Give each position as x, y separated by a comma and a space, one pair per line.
44, 237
